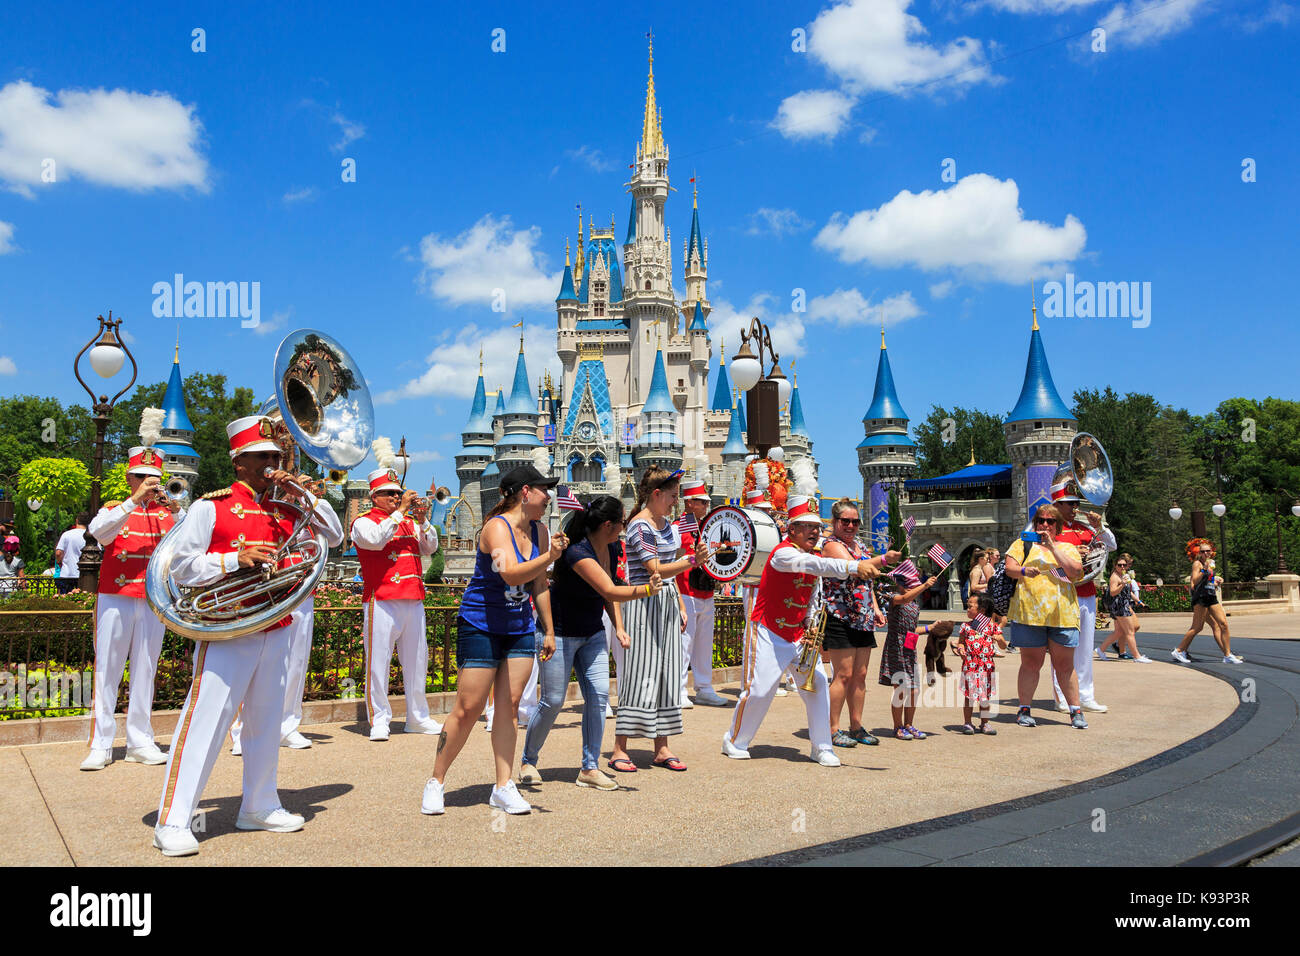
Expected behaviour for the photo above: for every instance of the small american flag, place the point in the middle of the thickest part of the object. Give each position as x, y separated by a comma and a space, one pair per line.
687, 524
565, 501
982, 623
907, 571
1060, 575
909, 526
940, 556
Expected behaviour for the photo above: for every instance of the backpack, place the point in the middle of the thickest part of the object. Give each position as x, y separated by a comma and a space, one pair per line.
1000, 588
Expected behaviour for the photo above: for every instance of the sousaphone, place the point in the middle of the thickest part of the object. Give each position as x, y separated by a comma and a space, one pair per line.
1087, 475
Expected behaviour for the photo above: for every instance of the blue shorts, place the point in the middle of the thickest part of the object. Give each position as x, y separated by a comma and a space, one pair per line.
1036, 635
475, 648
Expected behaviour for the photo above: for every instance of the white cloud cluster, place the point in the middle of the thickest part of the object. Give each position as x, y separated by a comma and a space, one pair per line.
6, 237
279, 319
1147, 21
452, 365
846, 307
349, 131
875, 46
106, 137
489, 264
1040, 6
7, 366
787, 328
976, 227
775, 222
594, 158
307, 194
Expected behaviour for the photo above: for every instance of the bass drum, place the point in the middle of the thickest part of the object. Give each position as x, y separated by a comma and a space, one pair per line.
746, 536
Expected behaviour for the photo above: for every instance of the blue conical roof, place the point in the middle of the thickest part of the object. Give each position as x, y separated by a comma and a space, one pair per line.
631, 224
797, 425
479, 420
884, 401
659, 400
1038, 397
722, 391
734, 445
696, 241
567, 291
740, 410
697, 320
521, 397
501, 402
173, 405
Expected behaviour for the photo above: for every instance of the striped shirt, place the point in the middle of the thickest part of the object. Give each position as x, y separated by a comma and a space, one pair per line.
644, 543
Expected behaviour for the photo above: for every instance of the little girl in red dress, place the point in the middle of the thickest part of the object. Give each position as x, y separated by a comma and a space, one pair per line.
975, 646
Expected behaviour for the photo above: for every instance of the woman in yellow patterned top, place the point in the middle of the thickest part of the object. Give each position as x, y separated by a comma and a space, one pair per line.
1044, 614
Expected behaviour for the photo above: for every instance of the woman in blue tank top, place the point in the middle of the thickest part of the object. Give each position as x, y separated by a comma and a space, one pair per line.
494, 639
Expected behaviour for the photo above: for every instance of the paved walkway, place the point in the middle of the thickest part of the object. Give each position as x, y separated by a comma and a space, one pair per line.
362, 799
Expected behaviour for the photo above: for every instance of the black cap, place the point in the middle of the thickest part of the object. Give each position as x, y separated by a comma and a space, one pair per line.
516, 478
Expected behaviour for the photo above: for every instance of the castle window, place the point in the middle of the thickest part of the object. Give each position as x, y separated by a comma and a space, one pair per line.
647, 285
597, 309
1038, 424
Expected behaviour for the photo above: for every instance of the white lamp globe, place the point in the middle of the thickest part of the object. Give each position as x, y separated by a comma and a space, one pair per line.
107, 360
783, 389
1219, 509
745, 371
1175, 513
776, 453
35, 503
1295, 509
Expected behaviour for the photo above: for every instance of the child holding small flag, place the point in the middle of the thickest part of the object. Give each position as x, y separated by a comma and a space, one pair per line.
976, 642
897, 660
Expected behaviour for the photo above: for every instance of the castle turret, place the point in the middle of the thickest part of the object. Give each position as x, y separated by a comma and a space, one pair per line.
886, 455
476, 448
1038, 431
658, 442
176, 438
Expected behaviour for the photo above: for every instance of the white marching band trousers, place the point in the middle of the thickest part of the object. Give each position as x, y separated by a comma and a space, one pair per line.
252, 669
401, 622
697, 643
1083, 652
302, 624
767, 656
124, 625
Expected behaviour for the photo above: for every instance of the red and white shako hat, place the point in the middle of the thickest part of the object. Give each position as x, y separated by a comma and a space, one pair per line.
144, 461
250, 434
693, 488
383, 479
803, 508
756, 499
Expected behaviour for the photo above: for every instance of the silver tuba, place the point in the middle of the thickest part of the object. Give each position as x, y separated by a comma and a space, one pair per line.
1088, 475
322, 407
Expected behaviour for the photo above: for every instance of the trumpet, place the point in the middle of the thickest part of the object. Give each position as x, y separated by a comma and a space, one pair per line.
810, 651
419, 510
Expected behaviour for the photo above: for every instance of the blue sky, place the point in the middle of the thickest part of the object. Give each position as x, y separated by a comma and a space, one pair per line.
820, 169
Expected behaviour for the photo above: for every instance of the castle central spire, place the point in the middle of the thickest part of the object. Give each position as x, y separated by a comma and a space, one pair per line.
652, 138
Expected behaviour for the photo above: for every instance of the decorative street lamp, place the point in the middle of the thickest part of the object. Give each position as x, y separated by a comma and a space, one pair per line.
1278, 494
107, 354
764, 396
1198, 517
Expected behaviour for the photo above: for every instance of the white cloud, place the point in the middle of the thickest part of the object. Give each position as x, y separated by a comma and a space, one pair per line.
1147, 21
7, 366
1277, 13
6, 237
452, 365
350, 131
847, 307
426, 455
487, 257
775, 222
1040, 6
592, 157
109, 138
278, 320
941, 290
813, 114
300, 195
976, 227
867, 135
788, 328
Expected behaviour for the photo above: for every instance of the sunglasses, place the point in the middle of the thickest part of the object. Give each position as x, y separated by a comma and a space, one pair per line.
852, 521
1038, 521
1205, 552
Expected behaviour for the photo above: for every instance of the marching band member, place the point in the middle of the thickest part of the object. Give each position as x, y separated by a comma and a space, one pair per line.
697, 640
236, 527
124, 622
776, 625
390, 541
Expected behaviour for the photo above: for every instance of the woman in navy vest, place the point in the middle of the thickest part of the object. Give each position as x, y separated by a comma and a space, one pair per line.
494, 639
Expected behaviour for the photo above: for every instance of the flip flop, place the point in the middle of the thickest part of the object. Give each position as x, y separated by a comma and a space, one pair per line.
672, 763
618, 765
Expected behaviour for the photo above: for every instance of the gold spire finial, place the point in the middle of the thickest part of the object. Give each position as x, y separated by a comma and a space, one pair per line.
480, 360
1034, 304
794, 372
972, 450
579, 263
695, 191
566, 250
176, 360
652, 141
520, 326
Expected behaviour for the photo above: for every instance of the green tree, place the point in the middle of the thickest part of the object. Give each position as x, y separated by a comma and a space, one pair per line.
437, 561
36, 427
63, 484
935, 456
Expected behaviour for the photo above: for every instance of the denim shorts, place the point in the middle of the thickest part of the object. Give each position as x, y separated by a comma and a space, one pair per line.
1036, 635
475, 648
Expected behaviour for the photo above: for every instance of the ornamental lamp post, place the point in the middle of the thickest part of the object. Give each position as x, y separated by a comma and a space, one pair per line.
1278, 494
764, 396
1198, 516
107, 355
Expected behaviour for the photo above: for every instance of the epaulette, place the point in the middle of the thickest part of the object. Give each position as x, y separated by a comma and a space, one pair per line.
219, 493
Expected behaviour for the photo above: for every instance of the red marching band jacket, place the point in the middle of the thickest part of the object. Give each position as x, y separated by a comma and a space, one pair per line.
782, 602
126, 557
395, 572
1080, 535
241, 520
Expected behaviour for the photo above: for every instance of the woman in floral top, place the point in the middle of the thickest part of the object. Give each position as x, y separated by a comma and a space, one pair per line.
975, 646
1044, 613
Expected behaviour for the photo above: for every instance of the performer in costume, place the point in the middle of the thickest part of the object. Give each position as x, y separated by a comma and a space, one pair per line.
785, 596
389, 543
236, 527
124, 623
697, 589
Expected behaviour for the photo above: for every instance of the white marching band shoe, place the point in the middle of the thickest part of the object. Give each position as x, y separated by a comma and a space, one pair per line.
97, 760
149, 755
175, 841
278, 820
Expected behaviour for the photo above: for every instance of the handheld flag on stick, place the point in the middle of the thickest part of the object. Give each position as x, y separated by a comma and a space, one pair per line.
981, 623
909, 525
687, 524
940, 556
565, 500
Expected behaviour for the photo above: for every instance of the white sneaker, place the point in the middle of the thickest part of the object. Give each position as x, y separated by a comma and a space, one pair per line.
1093, 707
97, 760
236, 750
429, 726
687, 703
826, 758
1062, 707
1142, 659
295, 741
1180, 656
150, 755
432, 802
1101, 655
278, 820
175, 841
609, 712
781, 691
731, 750
710, 698
378, 731
507, 798
1233, 659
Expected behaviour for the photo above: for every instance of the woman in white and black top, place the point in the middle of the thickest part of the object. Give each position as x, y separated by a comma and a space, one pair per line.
650, 684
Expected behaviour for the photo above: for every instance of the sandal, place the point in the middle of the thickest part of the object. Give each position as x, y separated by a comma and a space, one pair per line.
672, 763
916, 734
968, 729
987, 728
622, 765
902, 733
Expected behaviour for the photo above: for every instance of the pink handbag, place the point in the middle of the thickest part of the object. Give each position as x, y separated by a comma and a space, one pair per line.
910, 640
